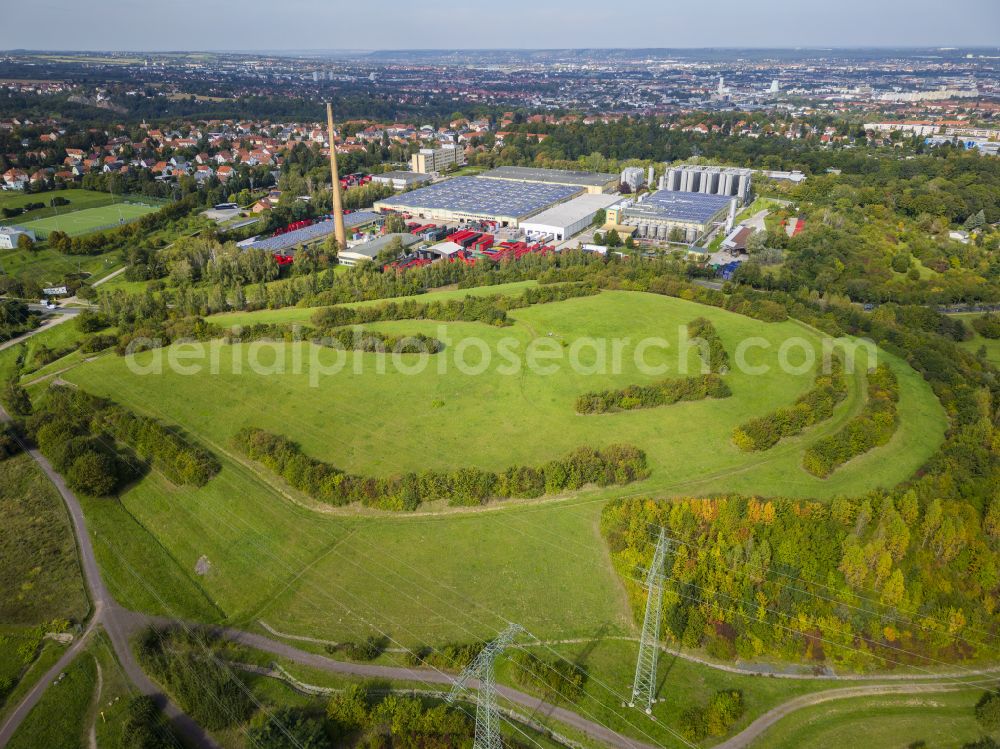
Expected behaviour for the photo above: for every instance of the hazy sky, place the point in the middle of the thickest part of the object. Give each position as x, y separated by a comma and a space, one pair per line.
441, 24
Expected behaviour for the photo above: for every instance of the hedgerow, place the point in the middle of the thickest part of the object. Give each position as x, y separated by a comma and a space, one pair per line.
664, 393
672, 390
812, 407
79, 432
615, 464
715, 358
490, 310
874, 426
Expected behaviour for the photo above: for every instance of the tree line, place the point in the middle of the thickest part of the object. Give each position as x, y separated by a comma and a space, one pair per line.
611, 465
812, 407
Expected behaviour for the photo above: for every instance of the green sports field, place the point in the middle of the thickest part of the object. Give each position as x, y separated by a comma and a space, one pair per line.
432, 577
90, 219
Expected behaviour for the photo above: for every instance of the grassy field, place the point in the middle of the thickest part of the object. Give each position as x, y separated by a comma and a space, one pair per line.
78, 200
40, 578
90, 219
47, 266
435, 577
934, 721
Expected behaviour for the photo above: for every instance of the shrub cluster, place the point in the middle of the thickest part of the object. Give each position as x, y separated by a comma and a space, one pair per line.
874, 426
98, 342
988, 326
812, 407
716, 358
368, 650
715, 719
615, 464
553, 676
188, 664
664, 393
453, 656
10, 444
78, 432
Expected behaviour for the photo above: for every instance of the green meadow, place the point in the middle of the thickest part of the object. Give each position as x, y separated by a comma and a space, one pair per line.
440, 574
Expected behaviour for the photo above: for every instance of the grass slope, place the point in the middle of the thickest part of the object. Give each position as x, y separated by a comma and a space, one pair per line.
934, 721
40, 577
448, 577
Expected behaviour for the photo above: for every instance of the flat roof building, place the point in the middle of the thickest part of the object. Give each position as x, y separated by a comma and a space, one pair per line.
314, 232
478, 199
659, 214
428, 160
592, 182
564, 220
400, 180
367, 251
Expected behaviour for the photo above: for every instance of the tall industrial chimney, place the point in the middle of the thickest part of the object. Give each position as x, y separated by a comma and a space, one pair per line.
338, 208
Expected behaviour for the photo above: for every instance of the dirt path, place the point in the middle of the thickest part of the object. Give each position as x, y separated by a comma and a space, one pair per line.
96, 707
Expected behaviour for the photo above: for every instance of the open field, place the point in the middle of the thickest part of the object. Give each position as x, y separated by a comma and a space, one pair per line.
90, 219
935, 721
453, 576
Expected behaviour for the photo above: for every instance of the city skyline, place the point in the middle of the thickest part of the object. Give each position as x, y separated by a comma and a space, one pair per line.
586, 24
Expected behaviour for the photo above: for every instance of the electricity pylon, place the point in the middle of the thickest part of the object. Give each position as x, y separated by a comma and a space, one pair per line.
487, 711
644, 686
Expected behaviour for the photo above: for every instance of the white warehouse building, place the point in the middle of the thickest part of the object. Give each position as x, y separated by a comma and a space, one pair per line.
564, 220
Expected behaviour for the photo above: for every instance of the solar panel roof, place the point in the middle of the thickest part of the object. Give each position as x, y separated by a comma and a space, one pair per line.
679, 206
313, 232
555, 176
486, 197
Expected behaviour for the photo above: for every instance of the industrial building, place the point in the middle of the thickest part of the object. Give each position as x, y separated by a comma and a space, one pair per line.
566, 219
430, 160
507, 203
9, 236
592, 182
400, 180
313, 233
709, 180
634, 177
658, 214
367, 251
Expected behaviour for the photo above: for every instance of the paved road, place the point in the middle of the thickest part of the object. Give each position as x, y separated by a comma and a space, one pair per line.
430, 676
117, 622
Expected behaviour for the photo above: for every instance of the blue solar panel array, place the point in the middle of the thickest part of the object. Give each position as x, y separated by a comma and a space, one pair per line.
312, 233
486, 197
682, 206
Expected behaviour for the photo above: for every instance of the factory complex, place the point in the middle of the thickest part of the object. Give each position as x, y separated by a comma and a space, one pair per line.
504, 202
668, 215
